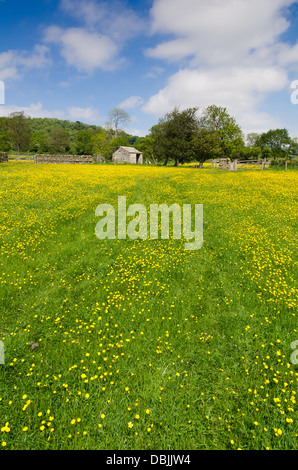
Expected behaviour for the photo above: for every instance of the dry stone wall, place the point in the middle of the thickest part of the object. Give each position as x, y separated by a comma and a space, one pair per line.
41, 158
3, 157
224, 164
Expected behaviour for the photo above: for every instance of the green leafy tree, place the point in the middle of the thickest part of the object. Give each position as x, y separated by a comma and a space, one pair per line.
5, 144
249, 153
217, 119
277, 140
160, 144
58, 140
19, 131
267, 153
206, 145
39, 143
83, 142
174, 135
101, 144
146, 146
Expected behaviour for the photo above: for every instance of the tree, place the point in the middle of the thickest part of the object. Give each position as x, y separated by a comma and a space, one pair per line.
230, 135
278, 141
206, 145
160, 145
252, 139
84, 143
146, 146
118, 117
249, 153
19, 130
174, 135
4, 142
58, 140
39, 143
101, 144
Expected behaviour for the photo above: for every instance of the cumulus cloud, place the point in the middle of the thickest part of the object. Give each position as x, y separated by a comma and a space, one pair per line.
89, 114
238, 89
36, 110
83, 49
154, 72
97, 43
132, 102
217, 31
229, 53
13, 62
112, 17
33, 110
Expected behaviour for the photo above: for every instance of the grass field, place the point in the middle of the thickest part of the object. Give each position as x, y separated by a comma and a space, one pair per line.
141, 344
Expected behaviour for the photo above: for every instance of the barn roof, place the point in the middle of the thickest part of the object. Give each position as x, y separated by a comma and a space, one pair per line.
130, 149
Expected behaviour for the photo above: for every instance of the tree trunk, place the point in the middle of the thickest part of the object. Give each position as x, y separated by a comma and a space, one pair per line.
176, 162
18, 152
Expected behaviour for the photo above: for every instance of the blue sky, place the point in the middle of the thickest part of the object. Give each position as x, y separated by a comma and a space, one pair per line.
79, 59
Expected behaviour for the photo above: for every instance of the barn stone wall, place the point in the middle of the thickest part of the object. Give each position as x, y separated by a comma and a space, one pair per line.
121, 155
41, 158
124, 156
3, 157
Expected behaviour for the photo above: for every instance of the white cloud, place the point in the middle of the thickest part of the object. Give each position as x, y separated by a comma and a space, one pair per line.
13, 62
229, 55
217, 31
89, 12
132, 102
138, 132
73, 113
238, 89
106, 26
83, 49
89, 114
112, 18
154, 72
33, 110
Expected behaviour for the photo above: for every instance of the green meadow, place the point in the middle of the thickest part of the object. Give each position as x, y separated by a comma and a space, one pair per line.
140, 344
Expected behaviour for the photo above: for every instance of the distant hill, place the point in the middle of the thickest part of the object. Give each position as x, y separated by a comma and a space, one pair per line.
45, 125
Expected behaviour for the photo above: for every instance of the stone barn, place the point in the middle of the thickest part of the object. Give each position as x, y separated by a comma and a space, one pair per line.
128, 155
